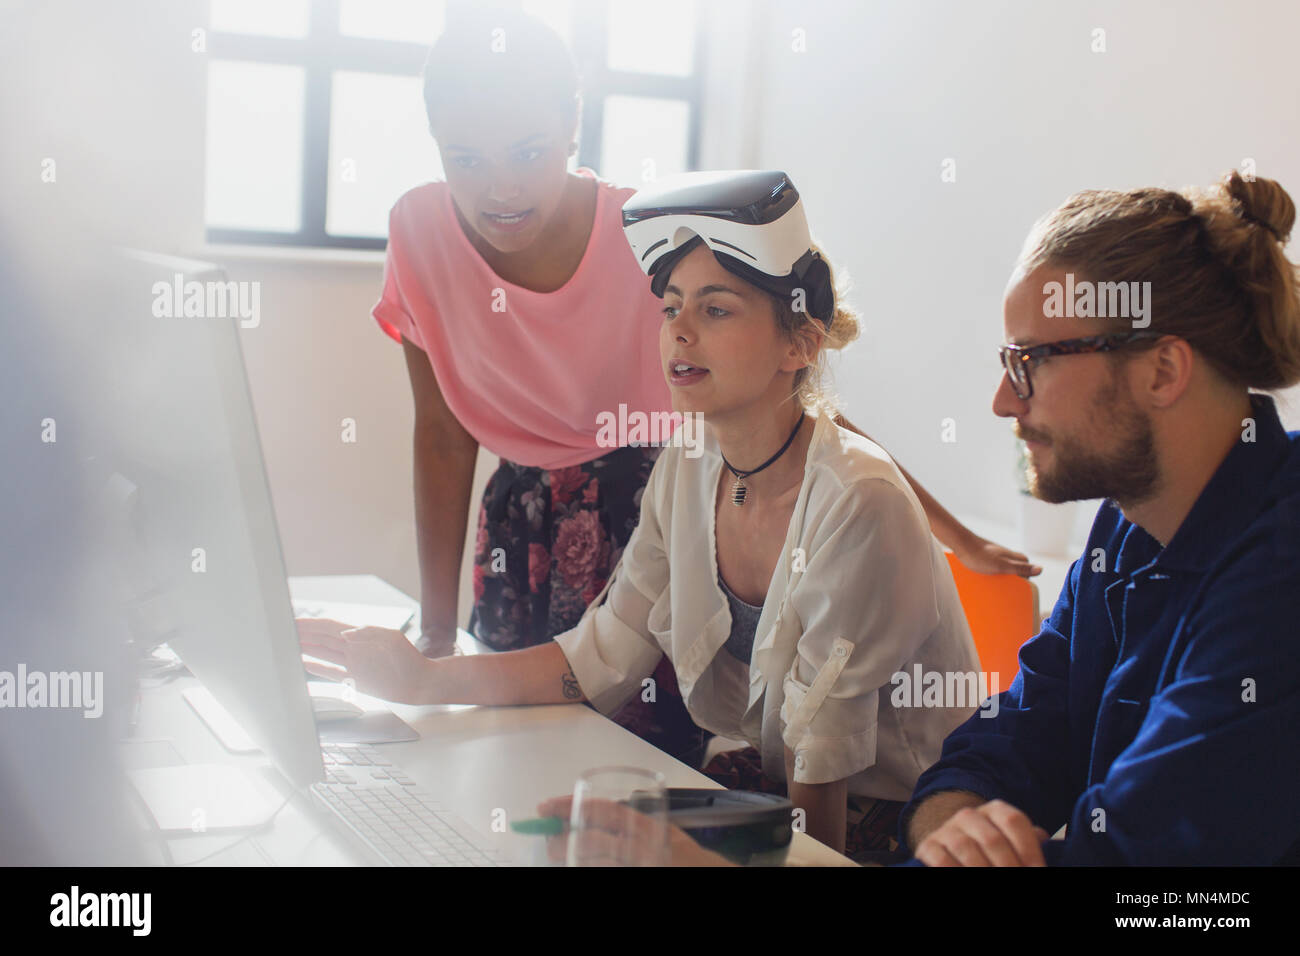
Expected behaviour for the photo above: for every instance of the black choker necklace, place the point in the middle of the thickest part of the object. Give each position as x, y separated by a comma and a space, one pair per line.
738, 490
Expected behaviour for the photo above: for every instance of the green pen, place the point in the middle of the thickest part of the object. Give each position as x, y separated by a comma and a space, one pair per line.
554, 826
539, 826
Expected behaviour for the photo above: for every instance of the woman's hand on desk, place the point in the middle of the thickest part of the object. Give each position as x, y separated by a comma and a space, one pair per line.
379, 661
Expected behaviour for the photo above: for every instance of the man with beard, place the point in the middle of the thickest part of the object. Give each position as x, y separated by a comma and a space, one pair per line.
1155, 712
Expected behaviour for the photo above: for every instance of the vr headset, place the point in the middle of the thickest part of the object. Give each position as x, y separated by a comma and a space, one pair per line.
753, 222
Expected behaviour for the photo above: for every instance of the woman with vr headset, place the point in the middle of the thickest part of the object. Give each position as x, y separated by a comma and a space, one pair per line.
523, 318
787, 571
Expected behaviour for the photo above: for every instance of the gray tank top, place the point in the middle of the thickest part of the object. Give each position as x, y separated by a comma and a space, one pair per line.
744, 624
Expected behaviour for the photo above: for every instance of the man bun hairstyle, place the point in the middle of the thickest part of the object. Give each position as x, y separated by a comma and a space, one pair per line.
1219, 275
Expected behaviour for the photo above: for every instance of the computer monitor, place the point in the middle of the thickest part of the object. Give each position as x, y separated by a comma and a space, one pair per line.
210, 560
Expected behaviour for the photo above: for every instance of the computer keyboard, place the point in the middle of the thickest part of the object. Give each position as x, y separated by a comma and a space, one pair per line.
387, 812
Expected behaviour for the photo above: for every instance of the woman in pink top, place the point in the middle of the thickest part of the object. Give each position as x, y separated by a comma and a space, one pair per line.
528, 327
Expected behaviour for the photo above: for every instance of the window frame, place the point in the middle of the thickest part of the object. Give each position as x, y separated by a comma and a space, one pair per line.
323, 51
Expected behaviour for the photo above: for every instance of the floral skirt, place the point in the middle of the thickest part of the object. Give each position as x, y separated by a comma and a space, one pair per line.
871, 827
547, 541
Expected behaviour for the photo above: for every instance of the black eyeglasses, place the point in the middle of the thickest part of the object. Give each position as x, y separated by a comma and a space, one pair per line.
1018, 360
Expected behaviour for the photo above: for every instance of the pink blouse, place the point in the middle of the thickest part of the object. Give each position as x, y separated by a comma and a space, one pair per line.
532, 376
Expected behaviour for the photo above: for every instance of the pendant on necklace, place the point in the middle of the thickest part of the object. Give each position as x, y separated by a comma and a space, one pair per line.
738, 491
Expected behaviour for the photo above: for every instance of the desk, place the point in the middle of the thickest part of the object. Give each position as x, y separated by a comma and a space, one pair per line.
473, 759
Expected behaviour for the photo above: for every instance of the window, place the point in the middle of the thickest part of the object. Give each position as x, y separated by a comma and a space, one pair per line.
316, 121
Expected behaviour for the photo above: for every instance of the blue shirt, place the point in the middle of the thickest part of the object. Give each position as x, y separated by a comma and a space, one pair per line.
1158, 709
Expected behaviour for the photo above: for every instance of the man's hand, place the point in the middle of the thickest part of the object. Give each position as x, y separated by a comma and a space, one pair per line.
993, 834
622, 836
381, 662
980, 554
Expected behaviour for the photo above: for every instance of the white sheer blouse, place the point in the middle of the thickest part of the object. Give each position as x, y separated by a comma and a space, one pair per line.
862, 594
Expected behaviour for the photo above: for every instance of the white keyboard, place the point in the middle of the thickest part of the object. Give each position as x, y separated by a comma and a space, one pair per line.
384, 809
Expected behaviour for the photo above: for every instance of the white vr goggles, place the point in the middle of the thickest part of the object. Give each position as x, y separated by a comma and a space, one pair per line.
753, 222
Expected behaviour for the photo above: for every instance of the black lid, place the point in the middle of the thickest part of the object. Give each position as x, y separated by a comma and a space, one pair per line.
750, 196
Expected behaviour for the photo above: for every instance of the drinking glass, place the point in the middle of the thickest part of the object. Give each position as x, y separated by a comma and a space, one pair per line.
619, 817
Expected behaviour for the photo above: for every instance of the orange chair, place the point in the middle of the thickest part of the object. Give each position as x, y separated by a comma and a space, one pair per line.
1002, 610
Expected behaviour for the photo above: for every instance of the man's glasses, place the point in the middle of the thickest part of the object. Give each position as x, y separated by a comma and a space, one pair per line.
1018, 361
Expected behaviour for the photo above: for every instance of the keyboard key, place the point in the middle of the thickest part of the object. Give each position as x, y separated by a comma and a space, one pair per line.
383, 806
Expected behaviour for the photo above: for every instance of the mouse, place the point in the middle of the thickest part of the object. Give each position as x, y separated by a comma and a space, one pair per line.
334, 708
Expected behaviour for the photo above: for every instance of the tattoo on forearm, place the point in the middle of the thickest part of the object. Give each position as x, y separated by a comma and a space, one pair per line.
571, 689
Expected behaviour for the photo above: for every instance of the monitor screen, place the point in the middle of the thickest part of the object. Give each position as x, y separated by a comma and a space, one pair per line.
209, 560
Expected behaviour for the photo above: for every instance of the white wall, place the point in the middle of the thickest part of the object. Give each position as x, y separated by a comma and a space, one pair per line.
1011, 90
